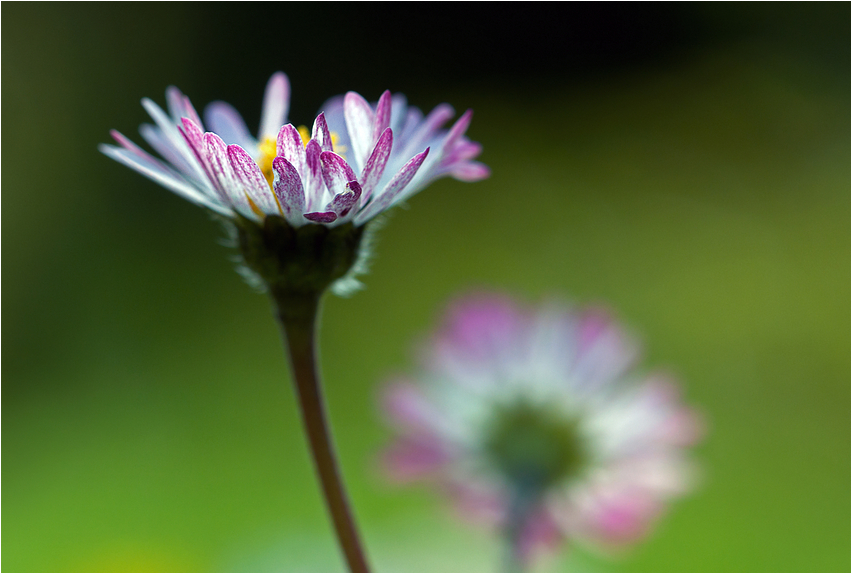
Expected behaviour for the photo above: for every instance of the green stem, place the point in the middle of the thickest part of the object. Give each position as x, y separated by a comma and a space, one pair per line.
298, 318
520, 506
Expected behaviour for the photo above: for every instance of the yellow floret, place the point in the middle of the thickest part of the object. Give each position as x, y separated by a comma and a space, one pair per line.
268, 150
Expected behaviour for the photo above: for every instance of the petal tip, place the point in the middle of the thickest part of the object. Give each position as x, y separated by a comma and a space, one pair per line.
321, 216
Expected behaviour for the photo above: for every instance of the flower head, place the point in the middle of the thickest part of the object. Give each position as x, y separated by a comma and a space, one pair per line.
536, 422
356, 161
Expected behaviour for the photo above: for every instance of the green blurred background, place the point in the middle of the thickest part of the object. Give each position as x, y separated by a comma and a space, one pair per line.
686, 165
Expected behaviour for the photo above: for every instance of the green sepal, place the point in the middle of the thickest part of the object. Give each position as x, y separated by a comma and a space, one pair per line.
298, 262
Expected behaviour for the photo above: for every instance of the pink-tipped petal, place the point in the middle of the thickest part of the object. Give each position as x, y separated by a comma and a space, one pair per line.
604, 351
413, 458
383, 115
462, 152
193, 135
481, 327
288, 188
163, 121
392, 189
250, 176
427, 130
335, 172
410, 121
321, 134
129, 145
343, 202
684, 427
409, 409
312, 157
174, 100
359, 124
194, 138
189, 112
290, 147
216, 152
624, 517
321, 217
166, 148
160, 174
457, 131
276, 104
227, 122
180, 106
673, 423
470, 171
314, 184
400, 113
375, 167
170, 129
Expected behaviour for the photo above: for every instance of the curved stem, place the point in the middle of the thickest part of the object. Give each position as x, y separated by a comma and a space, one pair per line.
298, 318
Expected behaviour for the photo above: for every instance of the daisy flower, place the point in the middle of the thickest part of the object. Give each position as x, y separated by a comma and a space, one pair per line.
356, 161
299, 200
536, 422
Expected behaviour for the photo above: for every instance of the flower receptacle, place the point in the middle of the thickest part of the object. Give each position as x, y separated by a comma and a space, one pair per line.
298, 262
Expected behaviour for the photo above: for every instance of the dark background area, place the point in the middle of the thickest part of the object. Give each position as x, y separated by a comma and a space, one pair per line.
684, 164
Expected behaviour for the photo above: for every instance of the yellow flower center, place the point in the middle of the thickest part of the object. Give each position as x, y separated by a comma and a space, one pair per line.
268, 149
306, 135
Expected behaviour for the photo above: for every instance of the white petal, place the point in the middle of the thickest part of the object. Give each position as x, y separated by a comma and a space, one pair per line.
276, 104
164, 178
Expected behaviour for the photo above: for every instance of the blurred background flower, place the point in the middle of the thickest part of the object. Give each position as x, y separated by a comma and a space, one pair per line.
686, 163
538, 423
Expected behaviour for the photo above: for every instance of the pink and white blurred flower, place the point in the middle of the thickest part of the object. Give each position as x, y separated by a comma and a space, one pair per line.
358, 160
536, 422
